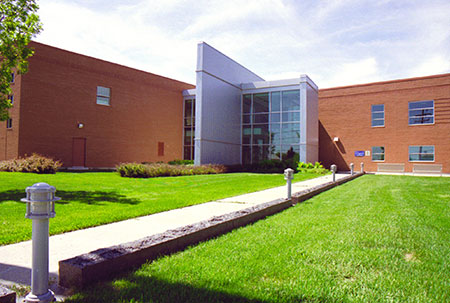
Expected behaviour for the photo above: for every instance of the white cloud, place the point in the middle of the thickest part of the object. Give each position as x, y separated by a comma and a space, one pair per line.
336, 42
430, 66
362, 71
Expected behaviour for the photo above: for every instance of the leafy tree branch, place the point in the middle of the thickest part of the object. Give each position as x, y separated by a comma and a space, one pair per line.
18, 24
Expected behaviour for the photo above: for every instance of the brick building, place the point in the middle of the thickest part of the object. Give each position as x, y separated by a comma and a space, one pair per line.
404, 122
92, 113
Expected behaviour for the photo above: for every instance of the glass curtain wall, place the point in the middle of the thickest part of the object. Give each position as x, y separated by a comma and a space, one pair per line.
270, 126
189, 129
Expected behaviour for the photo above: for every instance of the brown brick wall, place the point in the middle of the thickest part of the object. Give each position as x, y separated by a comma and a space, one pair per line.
345, 112
9, 138
59, 91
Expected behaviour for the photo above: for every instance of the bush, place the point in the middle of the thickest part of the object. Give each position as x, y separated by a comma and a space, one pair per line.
265, 166
181, 162
33, 164
313, 168
136, 170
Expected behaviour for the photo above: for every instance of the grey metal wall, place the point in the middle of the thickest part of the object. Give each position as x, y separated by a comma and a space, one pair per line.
218, 106
312, 119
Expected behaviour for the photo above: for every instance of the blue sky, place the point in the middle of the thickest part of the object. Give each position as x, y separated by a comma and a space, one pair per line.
334, 42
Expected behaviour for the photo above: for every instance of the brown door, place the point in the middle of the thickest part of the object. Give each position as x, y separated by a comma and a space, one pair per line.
79, 152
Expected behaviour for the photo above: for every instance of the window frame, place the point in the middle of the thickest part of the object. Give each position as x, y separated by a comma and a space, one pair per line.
103, 96
11, 99
421, 161
13, 78
383, 153
9, 123
409, 113
277, 99
189, 101
377, 119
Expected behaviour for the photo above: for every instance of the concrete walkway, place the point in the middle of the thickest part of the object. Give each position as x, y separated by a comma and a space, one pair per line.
15, 259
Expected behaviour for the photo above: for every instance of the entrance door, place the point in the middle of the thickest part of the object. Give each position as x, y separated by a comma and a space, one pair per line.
79, 152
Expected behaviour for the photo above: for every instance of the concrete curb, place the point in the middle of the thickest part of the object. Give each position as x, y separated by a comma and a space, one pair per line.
104, 263
7, 296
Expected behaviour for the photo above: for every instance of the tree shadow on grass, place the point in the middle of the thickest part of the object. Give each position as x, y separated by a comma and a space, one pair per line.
148, 289
139, 288
87, 197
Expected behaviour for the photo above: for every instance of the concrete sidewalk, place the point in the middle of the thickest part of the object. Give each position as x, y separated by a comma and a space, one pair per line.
15, 259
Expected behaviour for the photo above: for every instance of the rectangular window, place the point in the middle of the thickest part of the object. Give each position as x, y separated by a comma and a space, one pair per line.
421, 112
189, 129
9, 123
378, 153
421, 153
11, 99
103, 95
12, 78
377, 115
270, 125
261, 103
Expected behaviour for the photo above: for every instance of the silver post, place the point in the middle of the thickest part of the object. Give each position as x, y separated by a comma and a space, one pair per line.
40, 207
352, 168
288, 176
333, 170
362, 167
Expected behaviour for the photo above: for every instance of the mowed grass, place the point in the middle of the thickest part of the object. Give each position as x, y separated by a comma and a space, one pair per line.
91, 199
374, 239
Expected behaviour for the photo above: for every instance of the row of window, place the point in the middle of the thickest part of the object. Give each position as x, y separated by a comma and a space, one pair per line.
256, 153
416, 153
189, 129
11, 99
419, 112
270, 125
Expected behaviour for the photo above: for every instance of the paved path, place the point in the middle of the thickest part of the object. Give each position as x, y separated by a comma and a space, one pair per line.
15, 259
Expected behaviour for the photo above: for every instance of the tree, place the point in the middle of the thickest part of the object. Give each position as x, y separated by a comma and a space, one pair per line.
18, 24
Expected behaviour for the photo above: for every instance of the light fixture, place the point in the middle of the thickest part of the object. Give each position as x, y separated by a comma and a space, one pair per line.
80, 125
336, 139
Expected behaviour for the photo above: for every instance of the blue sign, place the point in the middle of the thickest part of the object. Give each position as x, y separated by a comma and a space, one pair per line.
359, 153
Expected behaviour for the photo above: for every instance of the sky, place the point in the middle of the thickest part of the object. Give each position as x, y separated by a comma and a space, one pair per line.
336, 43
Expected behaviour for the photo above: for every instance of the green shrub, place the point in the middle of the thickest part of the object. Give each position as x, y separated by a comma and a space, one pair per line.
317, 168
33, 164
136, 170
265, 166
181, 162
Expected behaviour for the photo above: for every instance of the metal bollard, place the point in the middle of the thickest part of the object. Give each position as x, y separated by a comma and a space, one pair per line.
352, 168
362, 167
288, 176
333, 170
40, 207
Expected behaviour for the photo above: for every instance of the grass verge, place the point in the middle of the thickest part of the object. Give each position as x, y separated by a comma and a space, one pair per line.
374, 239
91, 199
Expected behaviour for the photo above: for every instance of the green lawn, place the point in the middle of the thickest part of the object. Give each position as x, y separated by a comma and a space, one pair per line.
90, 199
374, 239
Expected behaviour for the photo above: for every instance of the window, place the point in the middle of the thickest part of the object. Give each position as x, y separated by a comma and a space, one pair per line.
270, 126
103, 95
421, 112
421, 153
9, 123
378, 153
189, 129
12, 77
11, 99
378, 115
